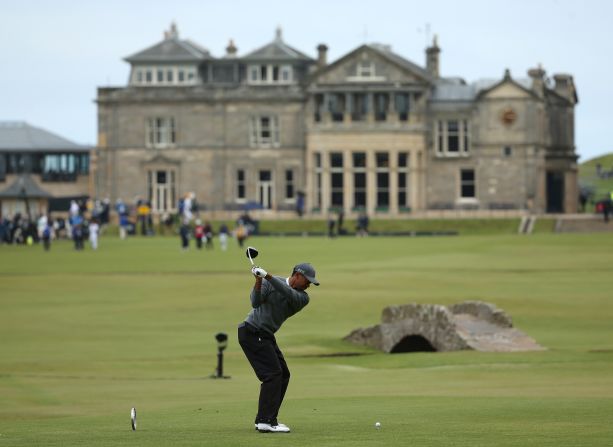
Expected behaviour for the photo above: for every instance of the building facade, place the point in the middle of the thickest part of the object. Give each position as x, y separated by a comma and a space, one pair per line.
39, 170
371, 131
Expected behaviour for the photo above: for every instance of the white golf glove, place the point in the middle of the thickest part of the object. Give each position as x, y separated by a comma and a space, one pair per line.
258, 271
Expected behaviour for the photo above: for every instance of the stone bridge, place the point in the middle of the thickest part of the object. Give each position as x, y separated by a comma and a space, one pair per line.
432, 327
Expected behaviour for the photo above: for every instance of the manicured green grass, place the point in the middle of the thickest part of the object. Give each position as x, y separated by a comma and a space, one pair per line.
85, 336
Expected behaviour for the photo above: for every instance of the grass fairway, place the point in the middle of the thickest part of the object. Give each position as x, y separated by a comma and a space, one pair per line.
86, 336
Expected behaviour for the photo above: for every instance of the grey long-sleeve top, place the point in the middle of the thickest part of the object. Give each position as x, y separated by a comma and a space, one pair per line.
275, 303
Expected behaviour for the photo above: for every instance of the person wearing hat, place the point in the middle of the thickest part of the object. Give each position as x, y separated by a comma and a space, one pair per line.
273, 299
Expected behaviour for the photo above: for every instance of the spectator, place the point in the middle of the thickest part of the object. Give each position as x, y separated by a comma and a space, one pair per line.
41, 224
142, 212
149, 216
199, 233
188, 204
606, 209
341, 216
59, 228
105, 213
362, 226
223, 236
300, 203
241, 233
184, 234
331, 224
74, 208
122, 211
94, 228
76, 224
208, 235
4, 226
46, 235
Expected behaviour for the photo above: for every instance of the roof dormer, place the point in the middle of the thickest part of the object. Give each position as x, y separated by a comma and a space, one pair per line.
170, 62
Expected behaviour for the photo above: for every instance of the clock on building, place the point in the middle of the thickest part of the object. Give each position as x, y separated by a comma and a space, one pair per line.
508, 116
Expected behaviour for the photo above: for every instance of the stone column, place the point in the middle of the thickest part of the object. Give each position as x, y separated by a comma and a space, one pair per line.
325, 182
417, 179
348, 108
347, 181
570, 191
326, 116
392, 115
371, 182
411, 116
370, 116
309, 178
393, 190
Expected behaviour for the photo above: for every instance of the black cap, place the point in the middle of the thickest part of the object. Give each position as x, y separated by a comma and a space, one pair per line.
308, 271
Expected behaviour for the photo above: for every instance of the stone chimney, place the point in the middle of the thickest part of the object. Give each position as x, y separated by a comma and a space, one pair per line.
538, 80
322, 55
565, 86
432, 62
172, 33
231, 49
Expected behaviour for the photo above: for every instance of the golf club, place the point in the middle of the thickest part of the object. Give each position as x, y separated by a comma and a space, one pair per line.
252, 252
133, 418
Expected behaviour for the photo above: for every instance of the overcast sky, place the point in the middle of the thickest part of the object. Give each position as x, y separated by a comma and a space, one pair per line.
54, 54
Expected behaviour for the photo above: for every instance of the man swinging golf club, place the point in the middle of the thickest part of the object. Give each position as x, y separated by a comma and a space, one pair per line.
274, 299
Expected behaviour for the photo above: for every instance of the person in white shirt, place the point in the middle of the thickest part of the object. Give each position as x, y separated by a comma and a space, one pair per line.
94, 228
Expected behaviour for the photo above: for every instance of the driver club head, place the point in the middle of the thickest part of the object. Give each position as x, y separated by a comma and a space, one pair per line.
252, 252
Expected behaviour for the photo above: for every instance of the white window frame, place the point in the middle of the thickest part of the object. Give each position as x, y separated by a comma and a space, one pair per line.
284, 71
160, 132
170, 75
286, 74
442, 134
365, 71
257, 128
162, 198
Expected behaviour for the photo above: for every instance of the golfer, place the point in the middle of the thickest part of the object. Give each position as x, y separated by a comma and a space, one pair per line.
274, 299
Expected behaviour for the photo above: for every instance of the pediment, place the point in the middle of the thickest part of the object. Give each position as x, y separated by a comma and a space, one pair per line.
369, 65
160, 160
506, 89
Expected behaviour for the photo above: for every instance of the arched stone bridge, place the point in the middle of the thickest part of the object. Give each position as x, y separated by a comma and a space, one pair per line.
432, 327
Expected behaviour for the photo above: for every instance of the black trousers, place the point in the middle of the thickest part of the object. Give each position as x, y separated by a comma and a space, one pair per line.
270, 367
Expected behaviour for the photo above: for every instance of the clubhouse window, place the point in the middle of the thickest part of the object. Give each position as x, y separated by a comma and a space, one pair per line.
290, 187
359, 179
383, 179
452, 138
336, 180
467, 184
264, 131
241, 187
403, 180
161, 132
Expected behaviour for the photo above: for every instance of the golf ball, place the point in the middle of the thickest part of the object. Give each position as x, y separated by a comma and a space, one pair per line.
378, 424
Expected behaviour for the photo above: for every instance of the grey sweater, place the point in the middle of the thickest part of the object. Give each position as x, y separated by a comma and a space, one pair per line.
274, 304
